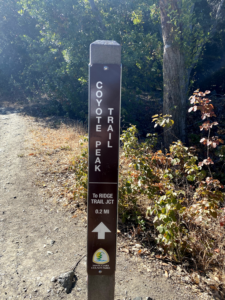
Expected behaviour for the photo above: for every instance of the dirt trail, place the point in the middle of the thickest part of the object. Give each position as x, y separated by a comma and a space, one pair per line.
37, 241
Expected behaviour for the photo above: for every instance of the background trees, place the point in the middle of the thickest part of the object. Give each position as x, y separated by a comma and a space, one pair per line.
13, 47
45, 47
186, 27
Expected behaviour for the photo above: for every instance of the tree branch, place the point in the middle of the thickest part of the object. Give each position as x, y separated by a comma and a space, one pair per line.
191, 11
212, 32
219, 9
97, 14
217, 17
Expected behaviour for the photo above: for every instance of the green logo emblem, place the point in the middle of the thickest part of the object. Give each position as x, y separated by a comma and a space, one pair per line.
100, 257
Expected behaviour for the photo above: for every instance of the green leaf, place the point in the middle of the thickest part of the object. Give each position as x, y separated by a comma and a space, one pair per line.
161, 229
191, 177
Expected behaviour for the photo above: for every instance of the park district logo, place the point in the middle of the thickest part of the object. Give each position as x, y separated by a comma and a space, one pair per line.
100, 257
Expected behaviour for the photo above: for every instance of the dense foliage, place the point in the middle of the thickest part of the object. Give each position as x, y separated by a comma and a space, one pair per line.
45, 49
176, 191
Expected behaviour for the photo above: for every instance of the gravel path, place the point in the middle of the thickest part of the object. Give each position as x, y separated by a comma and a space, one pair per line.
38, 241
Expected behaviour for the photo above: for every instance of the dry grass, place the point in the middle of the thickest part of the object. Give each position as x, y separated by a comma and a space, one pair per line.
47, 141
53, 147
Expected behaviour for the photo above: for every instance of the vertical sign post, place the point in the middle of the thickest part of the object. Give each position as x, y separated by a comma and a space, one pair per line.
104, 129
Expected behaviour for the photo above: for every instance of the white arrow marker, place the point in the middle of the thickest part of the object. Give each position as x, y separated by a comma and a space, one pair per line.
101, 229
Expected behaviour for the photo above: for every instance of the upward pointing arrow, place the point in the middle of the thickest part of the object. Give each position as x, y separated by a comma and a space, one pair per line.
101, 229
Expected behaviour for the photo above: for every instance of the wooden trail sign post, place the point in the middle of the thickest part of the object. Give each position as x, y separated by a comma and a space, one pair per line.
104, 129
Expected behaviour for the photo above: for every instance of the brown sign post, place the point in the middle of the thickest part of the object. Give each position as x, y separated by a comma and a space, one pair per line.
104, 129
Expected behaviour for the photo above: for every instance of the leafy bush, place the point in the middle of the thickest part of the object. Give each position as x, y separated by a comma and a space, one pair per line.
180, 198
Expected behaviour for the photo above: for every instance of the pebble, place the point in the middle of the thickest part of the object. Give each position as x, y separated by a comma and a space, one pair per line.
53, 279
78, 289
179, 269
40, 283
49, 253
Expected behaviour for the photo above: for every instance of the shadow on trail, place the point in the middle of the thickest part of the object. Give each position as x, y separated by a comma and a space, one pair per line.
48, 113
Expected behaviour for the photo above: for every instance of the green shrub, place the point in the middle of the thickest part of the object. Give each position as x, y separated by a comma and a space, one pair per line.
181, 200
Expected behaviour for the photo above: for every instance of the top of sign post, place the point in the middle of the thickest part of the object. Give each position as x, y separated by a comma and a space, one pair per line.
105, 52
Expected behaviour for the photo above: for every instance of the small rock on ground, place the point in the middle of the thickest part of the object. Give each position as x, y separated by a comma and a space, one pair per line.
66, 280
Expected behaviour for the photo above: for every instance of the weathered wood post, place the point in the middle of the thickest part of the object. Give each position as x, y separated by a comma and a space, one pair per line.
104, 129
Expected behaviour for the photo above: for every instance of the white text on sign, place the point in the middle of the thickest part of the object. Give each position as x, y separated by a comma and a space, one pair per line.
110, 120
102, 198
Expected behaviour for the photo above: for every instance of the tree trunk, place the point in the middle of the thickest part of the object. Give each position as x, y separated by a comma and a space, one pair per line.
175, 86
175, 75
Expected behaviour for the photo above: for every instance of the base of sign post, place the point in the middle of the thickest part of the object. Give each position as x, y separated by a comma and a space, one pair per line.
101, 287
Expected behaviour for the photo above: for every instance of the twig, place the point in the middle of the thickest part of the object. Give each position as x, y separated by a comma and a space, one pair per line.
76, 265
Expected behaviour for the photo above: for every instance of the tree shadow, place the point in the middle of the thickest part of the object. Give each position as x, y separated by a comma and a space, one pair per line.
47, 113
